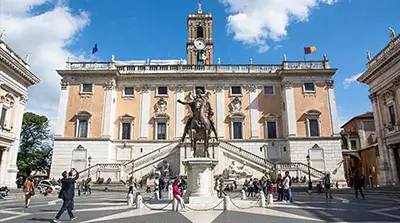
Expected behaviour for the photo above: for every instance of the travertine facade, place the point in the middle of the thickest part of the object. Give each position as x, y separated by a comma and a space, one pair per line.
383, 78
121, 112
15, 78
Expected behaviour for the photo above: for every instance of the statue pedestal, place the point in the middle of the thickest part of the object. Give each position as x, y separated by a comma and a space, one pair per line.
200, 172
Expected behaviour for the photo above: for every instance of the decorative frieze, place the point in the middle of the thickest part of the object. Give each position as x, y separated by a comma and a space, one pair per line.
396, 81
287, 85
236, 105
160, 107
145, 88
110, 85
251, 88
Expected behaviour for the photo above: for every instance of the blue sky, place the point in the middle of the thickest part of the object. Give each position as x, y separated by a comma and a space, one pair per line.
154, 29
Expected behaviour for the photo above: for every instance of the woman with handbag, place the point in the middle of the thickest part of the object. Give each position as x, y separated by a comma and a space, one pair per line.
29, 190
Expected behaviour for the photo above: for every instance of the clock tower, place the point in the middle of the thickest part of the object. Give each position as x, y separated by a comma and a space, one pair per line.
200, 46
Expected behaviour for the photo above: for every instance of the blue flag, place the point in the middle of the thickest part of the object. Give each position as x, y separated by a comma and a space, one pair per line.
95, 49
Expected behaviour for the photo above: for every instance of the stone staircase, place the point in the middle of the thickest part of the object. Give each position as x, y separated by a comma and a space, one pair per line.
261, 162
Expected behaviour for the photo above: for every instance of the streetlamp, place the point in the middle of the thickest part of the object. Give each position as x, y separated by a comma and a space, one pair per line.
90, 160
265, 148
309, 175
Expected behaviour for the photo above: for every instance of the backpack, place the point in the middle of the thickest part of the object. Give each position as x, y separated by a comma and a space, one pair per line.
290, 181
327, 181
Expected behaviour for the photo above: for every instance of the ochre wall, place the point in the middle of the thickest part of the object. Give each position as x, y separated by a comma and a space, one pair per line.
270, 104
129, 106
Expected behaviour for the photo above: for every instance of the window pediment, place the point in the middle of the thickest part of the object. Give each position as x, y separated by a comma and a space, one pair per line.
126, 118
83, 114
271, 117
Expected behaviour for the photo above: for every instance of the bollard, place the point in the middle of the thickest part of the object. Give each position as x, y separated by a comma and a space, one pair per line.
227, 203
243, 195
157, 195
139, 202
262, 199
175, 204
270, 199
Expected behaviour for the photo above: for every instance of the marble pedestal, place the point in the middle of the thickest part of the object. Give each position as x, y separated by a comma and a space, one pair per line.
200, 172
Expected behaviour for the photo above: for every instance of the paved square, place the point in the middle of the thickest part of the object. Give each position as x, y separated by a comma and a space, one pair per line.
110, 207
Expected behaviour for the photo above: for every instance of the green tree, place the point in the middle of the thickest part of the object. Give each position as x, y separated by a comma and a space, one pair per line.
35, 148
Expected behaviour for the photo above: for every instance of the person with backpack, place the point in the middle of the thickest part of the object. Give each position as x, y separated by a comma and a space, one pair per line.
327, 185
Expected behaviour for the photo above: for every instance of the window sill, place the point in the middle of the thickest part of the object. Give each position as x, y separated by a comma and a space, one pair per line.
128, 96
86, 93
235, 95
162, 96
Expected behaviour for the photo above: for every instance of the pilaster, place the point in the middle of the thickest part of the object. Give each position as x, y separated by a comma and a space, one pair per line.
335, 130
290, 113
253, 112
62, 109
179, 111
220, 110
109, 107
144, 111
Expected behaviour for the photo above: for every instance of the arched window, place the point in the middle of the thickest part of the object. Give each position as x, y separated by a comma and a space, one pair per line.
200, 32
82, 124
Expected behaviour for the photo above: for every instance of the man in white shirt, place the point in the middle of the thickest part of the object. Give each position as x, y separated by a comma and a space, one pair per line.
287, 183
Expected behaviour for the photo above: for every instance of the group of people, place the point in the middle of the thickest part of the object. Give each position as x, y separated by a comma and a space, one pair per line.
3, 192
85, 186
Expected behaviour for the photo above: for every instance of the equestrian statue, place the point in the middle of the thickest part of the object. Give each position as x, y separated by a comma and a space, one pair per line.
200, 124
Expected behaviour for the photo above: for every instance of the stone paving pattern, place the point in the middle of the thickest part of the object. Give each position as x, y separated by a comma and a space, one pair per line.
111, 207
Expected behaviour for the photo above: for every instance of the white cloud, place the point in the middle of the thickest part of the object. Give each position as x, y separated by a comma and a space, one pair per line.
255, 21
44, 36
350, 80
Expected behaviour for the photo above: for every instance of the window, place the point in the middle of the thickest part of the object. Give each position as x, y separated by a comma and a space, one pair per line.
82, 124
162, 91
83, 128
271, 129
129, 91
353, 144
309, 87
200, 32
269, 90
203, 89
236, 90
161, 130
392, 115
3, 117
87, 88
237, 130
126, 131
314, 127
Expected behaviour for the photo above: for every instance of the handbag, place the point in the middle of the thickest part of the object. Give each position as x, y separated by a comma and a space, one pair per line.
32, 193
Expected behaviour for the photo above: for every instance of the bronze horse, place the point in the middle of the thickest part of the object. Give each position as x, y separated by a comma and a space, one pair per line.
200, 128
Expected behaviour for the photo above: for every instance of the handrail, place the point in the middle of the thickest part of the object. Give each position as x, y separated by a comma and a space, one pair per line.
249, 155
154, 151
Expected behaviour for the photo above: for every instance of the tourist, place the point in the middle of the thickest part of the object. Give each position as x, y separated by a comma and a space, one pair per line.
148, 183
81, 186
270, 190
131, 186
88, 188
327, 185
170, 194
29, 190
264, 183
287, 187
67, 194
132, 195
250, 188
279, 186
183, 186
359, 183
156, 185
220, 186
178, 195
161, 186
108, 182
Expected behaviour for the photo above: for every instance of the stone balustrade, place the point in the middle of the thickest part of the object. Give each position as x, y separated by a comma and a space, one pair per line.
98, 167
386, 52
14, 55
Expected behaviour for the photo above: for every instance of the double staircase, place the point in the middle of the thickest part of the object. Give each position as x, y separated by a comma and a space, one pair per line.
125, 170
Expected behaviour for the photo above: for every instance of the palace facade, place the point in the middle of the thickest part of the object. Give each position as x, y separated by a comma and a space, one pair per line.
15, 79
122, 118
383, 79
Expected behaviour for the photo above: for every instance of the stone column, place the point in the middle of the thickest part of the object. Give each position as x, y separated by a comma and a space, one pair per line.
385, 173
179, 111
109, 107
253, 112
12, 169
144, 112
335, 130
62, 109
290, 111
220, 110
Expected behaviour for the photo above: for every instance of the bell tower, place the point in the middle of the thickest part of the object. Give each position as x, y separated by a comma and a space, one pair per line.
200, 45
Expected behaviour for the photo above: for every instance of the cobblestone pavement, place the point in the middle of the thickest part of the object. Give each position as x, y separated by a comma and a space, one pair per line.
111, 207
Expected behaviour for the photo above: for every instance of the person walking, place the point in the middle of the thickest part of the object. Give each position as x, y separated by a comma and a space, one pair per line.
67, 194
29, 190
327, 185
279, 186
178, 196
359, 184
264, 183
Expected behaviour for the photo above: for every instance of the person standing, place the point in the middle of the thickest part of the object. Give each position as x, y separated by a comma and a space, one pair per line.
221, 186
286, 187
279, 186
161, 186
29, 190
359, 184
182, 186
156, 185
327, 185
170, 194
178, 196
67, 194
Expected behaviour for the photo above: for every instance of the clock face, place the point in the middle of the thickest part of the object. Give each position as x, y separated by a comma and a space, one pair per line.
200, 44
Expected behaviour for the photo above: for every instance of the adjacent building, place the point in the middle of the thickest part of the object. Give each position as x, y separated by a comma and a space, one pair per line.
383, 78
122, 118
15, 79
360, 149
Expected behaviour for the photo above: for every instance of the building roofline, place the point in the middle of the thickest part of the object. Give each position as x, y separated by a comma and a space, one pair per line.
367, 115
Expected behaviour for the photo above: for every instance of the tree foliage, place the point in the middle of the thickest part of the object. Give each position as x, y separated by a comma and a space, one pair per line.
35, 148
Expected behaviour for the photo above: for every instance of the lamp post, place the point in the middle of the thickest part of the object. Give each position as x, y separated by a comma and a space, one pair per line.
265, 147
309, 175
90, 161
